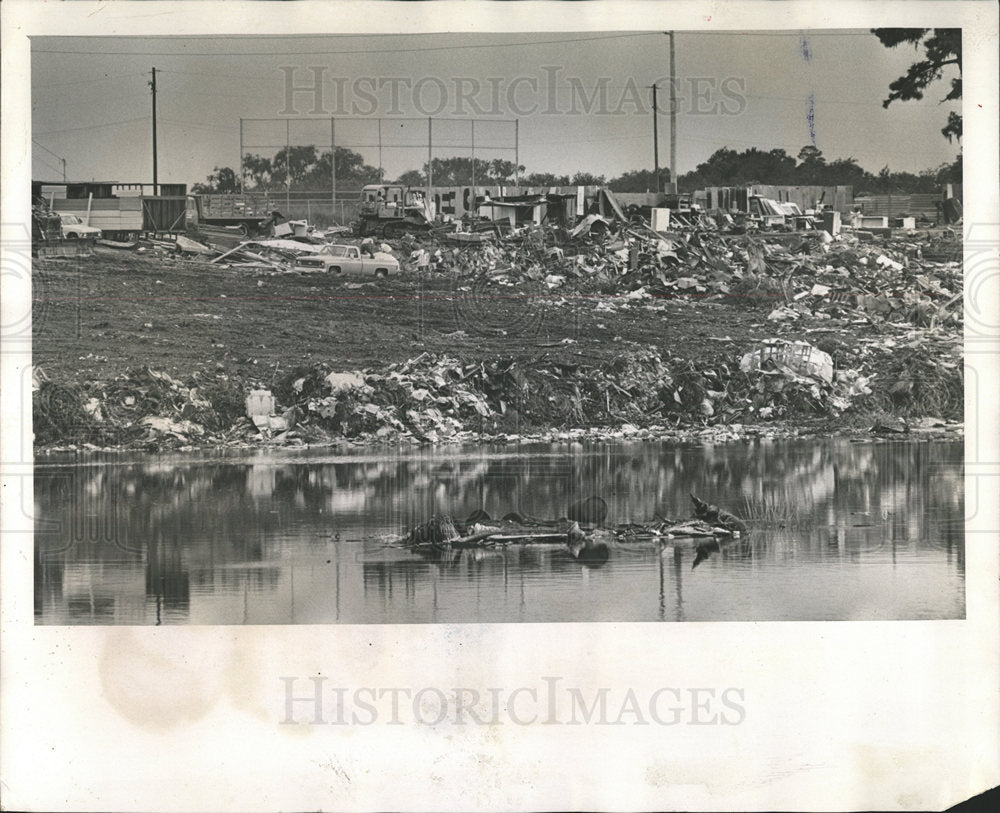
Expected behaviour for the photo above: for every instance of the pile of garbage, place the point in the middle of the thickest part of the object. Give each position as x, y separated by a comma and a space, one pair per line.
913, 277
139, 407
432, 398
853, 326
435, 398
792, 275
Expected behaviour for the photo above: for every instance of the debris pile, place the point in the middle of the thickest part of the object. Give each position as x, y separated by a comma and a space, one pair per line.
140, 407
437, 397
793, 274
443, 532
851, 328
267, 255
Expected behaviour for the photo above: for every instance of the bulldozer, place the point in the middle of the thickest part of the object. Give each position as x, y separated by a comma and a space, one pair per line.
391, 210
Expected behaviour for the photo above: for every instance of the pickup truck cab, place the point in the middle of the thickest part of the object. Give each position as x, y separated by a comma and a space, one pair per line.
73, 228
337, 259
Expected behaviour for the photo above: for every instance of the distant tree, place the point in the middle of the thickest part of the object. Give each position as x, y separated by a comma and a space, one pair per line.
291, 165
458, 171
586, 179
257, 171
812, 166
545, 179
882, 183
949, 173
454, 171
843, 172
352, 171
308, 169
942, 48
726, 167
222, 180
502, 171
412, 177
640, 180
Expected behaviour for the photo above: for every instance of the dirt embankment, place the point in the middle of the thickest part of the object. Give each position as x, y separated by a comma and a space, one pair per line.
154, 352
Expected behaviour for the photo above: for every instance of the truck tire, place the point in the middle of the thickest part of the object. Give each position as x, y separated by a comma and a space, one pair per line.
72, 236
335, 270
381, 273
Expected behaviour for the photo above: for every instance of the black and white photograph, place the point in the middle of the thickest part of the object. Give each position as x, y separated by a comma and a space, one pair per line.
440, 330
501, 359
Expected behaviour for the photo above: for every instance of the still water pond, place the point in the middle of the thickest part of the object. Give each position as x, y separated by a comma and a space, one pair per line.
839, 531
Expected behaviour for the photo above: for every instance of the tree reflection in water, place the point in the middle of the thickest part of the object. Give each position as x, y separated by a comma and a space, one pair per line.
158, 540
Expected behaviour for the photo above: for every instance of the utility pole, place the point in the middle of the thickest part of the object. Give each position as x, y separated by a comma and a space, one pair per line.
673, 115
333, 167
656, 146
242, 168
153, 86
517, 151
61, 159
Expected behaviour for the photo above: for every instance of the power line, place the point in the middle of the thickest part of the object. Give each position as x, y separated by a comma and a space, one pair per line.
46, 164
36, 143
221, 75
327, 52
92, 126
586, 140
198, 125
783, 32
86, 81
802, 33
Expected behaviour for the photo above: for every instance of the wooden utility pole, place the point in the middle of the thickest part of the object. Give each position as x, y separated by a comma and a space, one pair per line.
242, 167
153, 86
333, 167
517, 152
673, 115
430, 159
656, 145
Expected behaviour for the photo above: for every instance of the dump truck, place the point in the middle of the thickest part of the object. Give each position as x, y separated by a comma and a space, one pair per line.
249, 213
390, 210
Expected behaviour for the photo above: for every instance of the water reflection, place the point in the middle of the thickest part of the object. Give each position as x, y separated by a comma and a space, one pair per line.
839, 530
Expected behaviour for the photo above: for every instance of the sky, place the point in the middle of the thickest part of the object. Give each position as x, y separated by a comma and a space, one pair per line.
582, 101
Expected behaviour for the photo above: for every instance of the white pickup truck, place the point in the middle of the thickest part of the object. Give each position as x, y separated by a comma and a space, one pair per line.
337, 259
73, 228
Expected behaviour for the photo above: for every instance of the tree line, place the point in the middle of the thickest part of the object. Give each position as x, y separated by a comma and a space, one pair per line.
309, 169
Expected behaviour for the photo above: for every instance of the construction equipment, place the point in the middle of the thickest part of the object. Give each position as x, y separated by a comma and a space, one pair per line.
48, 237
390, 210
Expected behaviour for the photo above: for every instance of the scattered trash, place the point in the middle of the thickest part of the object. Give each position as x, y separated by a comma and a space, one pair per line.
189, 246
795, 358
858, 321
